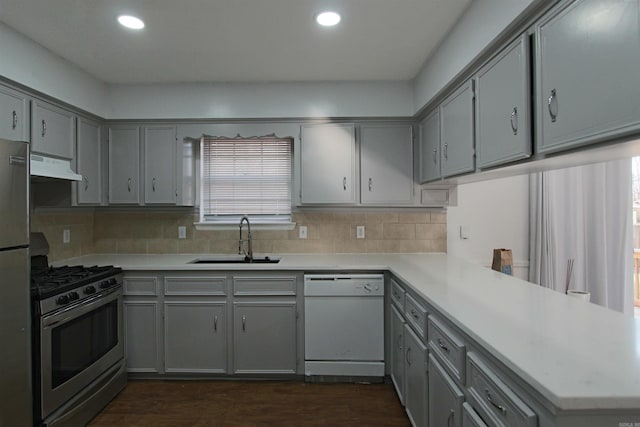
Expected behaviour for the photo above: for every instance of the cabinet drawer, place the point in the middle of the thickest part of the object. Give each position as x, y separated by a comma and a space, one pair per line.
140, 286
495, 402
397, 295
195, 285
470, 417
448, 347
416, 315
281, 285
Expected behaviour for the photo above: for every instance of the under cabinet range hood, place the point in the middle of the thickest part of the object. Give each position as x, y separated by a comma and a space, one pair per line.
51, 167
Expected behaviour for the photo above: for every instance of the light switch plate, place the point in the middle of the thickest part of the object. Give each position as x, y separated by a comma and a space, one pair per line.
360, 232
66, 236
303, 232
182, 232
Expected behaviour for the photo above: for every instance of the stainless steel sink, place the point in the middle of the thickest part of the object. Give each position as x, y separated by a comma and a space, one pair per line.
235, 260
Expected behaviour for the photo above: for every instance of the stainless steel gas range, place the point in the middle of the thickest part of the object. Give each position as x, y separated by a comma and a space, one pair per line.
78, 339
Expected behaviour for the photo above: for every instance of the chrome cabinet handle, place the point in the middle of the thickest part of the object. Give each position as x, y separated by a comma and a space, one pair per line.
129, 185
450, 418
408, 359
370, 184
215, 323
86, 182
399, 341
494, 404
435, 158
44, 128
14, 119
244, 323
344, 183
446, 151
153, 185
415, 314
514, 120
552, 104
442, 346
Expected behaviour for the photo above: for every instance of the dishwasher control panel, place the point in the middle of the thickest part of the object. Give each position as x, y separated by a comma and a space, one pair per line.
343, 284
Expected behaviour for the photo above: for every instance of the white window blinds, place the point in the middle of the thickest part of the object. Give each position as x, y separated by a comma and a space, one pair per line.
245, 177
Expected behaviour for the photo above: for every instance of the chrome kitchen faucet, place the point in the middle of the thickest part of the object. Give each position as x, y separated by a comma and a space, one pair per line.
249, 254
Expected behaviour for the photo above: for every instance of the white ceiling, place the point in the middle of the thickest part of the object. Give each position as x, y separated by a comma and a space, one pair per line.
238, 40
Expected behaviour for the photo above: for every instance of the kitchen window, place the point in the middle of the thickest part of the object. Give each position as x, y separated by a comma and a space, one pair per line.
245, 176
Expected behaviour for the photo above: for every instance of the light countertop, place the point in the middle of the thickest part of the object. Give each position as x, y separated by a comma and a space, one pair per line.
578, 355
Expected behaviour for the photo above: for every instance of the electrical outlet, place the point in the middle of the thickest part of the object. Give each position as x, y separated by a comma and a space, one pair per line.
360, 232
303, 232
66, 236
182, 232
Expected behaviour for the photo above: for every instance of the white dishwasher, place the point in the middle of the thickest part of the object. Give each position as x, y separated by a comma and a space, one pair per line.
344, 325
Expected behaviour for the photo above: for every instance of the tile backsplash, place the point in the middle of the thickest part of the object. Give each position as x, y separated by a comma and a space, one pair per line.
157, 232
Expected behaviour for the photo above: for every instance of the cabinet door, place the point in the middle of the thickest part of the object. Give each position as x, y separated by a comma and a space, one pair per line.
503, 119
456, 138
430, 147
52, 130
124, 164
397, 352
386, 158
264, 337
141, 336
328, 166
88, 147
160, 164
195, 337
14, 115
587, 67
445, 398
415, 399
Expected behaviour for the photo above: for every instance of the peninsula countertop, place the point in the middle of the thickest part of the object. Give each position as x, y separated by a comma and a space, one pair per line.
577, 355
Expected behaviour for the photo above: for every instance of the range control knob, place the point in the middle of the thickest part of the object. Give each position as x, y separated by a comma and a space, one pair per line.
113, 281
73, 296
62, 300
90, 289
104, 284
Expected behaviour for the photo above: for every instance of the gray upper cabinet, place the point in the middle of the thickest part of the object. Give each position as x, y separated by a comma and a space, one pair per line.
53, 130
160, 165
124, 165
587, 68
456, 132
14, 115
503, 118
328, 164
430, 147
386, 159
89, 158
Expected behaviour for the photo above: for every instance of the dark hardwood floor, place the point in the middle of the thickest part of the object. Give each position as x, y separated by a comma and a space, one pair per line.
252, 403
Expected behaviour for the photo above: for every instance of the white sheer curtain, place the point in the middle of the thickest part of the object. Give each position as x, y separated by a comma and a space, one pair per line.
584, 213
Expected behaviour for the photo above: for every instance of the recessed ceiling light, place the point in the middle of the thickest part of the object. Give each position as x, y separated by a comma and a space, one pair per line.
328, 19
131, 22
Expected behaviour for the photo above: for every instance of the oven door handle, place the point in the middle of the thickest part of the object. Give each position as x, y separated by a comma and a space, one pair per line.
71, 312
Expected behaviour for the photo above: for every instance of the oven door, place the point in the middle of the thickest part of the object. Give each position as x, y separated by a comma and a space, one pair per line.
78, 343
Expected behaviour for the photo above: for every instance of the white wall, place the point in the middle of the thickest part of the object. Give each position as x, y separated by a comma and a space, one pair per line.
478, 26
261, 100
30, 64
495, 214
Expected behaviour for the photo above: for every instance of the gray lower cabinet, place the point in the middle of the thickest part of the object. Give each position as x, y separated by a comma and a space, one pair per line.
416, 395
160, 165
195, 336
587, 67
456, 132
89, 162
141, 331
14, 115
503, 117
124, 165
264, 337
397, 352
53, 130
470, 417
445, 398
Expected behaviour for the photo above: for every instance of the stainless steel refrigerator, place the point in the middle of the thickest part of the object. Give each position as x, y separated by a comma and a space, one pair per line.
15, 318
